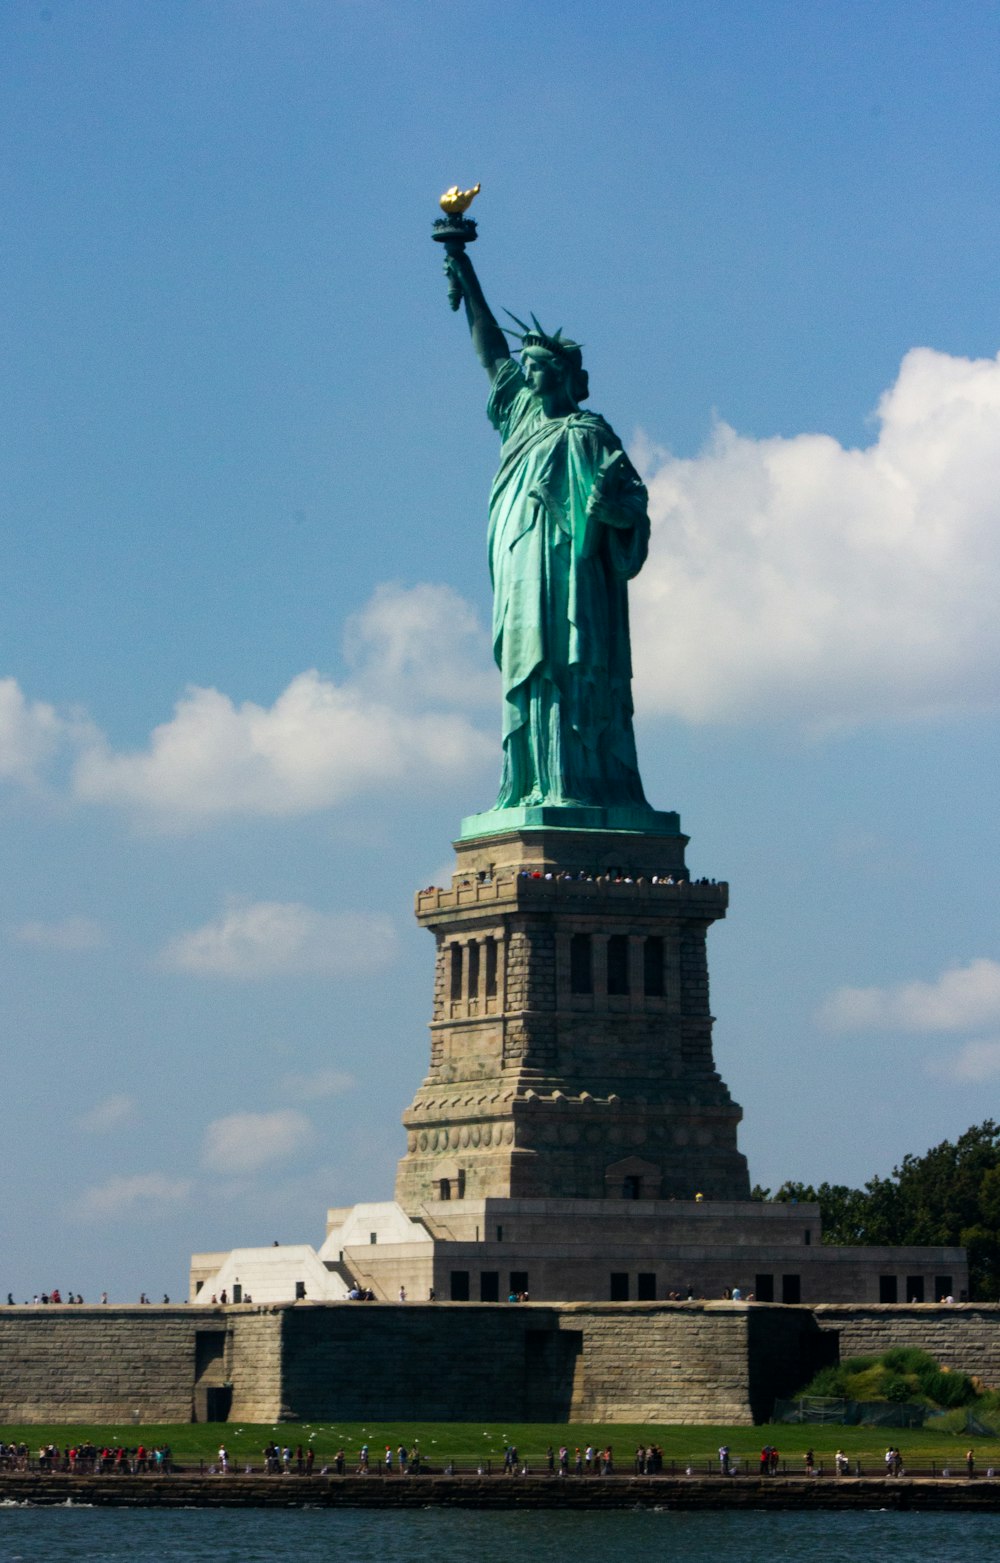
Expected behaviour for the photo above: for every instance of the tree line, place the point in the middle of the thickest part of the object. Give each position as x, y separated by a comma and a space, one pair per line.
950, 1196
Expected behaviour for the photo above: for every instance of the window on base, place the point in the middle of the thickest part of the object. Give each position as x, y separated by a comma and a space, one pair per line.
618, 1291
618, 965
652, 967
581, 977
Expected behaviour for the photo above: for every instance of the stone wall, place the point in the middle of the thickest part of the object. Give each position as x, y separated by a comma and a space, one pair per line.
657, 1362
254, 1362
74, 1364
648, 1362
964, 1337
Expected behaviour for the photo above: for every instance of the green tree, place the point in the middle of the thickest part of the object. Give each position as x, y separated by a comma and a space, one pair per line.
948, 1197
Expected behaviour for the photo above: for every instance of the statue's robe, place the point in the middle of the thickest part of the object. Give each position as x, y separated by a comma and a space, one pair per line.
560, 604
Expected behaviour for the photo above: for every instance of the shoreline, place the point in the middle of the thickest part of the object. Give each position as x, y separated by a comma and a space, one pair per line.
182, 1490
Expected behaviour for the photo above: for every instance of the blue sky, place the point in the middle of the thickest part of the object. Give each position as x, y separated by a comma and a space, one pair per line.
245, 693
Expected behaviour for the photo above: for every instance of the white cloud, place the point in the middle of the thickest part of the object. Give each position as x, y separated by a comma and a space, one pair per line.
258, 939
245, 1142
794, 578
973, 1064
422, 643
314, 1087
961, 998
68, 933
787, 579
109, 1114
416, 653
33, 733
144, 1194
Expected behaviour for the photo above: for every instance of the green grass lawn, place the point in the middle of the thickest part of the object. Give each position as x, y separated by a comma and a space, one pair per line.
468, 1442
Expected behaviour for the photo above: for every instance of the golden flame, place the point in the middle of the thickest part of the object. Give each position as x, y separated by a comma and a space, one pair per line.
456, 201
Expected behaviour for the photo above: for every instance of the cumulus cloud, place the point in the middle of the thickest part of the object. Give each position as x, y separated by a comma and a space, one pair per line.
143, 1195
109, 1114
973, 1064
33, 733
67, 933
417, 655
792, 578
257, 939
315, 1086
962, 997
788, 579
245, 1142
423, 643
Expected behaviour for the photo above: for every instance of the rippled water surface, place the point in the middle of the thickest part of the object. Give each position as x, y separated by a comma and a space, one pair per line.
79, 1535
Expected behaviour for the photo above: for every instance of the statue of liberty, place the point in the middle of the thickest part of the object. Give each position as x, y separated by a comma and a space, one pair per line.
568, 528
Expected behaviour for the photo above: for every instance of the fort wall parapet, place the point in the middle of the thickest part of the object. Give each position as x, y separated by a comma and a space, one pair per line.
687, 1362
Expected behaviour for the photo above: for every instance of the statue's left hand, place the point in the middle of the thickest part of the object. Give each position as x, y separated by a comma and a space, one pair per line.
605, 502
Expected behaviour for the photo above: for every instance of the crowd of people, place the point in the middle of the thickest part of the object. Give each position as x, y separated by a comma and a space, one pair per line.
602, 876
73, 1299
87, 1459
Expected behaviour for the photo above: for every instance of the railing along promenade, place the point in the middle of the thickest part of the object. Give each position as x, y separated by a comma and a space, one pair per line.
698, 1484
474, 892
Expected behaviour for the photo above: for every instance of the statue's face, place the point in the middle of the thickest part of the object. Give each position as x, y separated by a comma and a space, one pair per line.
543, 374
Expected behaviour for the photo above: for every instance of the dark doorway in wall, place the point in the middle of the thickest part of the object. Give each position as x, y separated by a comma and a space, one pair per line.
460, 1286
218, 1402
791, 1288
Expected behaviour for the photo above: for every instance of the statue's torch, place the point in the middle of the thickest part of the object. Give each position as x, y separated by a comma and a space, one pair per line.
454, 230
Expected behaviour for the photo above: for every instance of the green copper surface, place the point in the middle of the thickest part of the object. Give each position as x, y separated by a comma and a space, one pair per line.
568, 528
637, 819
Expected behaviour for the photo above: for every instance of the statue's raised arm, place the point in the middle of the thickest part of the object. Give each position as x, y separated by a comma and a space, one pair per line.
487, 338
568, 529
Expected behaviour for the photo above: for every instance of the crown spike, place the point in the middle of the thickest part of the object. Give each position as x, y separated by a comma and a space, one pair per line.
525, 329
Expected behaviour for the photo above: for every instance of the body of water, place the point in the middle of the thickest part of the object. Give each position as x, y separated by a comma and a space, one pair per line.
81, 1535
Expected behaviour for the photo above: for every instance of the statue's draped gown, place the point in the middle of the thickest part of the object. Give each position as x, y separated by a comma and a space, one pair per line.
560, 604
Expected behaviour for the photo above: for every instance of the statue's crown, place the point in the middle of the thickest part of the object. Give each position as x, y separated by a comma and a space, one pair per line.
535, 335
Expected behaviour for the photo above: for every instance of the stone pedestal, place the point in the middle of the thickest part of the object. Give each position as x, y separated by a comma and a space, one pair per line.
571, 1038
